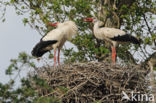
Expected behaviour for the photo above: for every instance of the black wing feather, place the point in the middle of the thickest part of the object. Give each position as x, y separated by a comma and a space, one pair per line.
126, 38
39, 50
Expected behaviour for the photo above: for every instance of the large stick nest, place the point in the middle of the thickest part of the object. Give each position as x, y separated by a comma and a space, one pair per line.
91, 82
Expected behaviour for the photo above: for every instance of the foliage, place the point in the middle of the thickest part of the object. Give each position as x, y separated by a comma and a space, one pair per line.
26, 93
134, 16
22, 60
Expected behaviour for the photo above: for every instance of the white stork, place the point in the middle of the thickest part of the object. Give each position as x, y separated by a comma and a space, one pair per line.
55, 39
112, 35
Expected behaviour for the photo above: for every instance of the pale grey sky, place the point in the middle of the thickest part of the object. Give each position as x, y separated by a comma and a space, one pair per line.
14, 38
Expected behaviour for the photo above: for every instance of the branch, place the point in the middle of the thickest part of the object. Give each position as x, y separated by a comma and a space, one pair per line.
149, 29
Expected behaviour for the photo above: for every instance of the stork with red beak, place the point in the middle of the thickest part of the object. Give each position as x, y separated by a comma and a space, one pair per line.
55, 39
112, 35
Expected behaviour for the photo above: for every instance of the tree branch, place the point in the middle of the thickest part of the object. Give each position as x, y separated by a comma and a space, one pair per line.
149, 29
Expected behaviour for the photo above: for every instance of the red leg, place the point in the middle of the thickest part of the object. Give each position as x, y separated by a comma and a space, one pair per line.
58, 57
54, 57
113, 54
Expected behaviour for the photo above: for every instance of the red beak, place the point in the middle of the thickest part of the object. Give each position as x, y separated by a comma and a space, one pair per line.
88, 20
53, 24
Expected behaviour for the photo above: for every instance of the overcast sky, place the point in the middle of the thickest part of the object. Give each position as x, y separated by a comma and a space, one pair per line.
14, 38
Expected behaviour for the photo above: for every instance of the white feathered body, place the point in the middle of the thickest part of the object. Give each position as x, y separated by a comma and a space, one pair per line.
112, 35
55, 38
63, 32
106, 33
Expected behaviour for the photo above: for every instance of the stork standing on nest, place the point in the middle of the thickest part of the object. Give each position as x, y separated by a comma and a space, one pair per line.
55, 39
112, 35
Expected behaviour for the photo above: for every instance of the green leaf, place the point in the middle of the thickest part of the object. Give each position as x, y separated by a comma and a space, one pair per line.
10, 69
3, 20
25, 21
12, 1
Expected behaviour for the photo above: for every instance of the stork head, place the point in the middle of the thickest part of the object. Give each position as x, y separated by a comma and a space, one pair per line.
53, 24
93, 20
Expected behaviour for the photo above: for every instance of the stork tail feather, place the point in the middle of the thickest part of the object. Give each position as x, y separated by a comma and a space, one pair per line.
39, 50
127, 38
134, 40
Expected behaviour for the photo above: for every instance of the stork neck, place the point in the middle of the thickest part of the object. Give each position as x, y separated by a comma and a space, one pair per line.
96, 26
